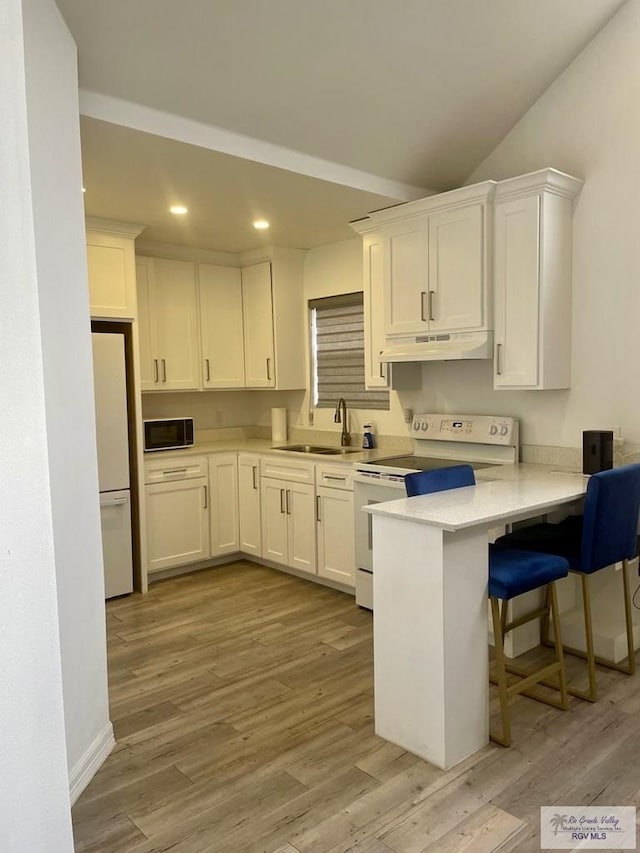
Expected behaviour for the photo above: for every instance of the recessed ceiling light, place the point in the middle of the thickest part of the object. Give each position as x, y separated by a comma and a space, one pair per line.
178, 209
261, 224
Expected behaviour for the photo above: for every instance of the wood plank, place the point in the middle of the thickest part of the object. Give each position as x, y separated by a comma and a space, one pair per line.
243, 706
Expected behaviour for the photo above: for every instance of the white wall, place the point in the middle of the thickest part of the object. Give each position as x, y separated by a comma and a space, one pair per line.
34, 796
587, 124
56, 180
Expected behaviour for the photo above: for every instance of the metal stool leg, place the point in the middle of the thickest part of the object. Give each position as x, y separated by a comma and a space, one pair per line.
505, 739
555, 615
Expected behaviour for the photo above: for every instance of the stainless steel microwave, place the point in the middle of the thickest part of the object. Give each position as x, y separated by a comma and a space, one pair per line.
168, 434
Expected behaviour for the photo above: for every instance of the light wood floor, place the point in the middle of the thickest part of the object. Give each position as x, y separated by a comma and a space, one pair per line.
242, 705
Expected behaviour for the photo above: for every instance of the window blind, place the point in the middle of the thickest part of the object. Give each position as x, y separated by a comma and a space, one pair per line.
338, 326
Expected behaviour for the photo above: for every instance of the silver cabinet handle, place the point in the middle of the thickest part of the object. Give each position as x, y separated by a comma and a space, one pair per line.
423, 296
498, 365
254, 474
206, 361
431, 293
382, 376
288, 502
269, 369
164, 370
156, 376
333, 477
206, 497
318, 505
115, 502
175, 471
282, 501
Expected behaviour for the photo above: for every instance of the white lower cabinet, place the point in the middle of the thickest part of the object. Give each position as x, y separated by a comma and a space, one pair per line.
334, 523
288, 513
267, 506
223, 504
249, 504
177, 523
274, 521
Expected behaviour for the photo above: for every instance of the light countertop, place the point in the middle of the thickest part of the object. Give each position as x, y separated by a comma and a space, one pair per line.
502, 493
264, 445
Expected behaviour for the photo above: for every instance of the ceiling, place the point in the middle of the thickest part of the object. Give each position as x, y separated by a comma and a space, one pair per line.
416, 91
136, 177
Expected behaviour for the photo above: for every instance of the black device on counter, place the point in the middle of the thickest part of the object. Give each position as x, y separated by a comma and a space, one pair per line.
597, 450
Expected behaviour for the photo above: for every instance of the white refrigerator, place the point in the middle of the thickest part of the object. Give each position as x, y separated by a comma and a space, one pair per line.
112, 432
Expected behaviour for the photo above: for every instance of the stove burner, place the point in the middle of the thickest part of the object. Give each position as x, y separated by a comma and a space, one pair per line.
425, 463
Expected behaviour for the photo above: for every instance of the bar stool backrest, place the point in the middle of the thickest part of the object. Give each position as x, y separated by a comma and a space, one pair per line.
610, 525
439, 480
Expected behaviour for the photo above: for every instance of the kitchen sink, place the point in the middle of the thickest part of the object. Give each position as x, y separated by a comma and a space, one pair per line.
318, 448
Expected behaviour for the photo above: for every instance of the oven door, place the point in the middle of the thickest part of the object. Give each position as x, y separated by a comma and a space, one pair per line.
366, 492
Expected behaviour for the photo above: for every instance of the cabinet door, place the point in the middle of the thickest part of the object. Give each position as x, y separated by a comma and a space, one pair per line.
112, 283
257, 308
301, 534
149, 373
175, 315
516, 276
375, 372
249, 504
221, 326
177, 523
456, 269
336, 540
406, 278
274, 520
223, 503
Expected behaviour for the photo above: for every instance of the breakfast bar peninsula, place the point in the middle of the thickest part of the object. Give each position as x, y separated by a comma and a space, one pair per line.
430, 575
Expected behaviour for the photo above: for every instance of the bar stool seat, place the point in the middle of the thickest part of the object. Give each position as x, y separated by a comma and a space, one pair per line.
511, 573
605, 534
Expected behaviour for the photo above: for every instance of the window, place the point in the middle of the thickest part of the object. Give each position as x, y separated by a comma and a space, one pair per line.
337, 343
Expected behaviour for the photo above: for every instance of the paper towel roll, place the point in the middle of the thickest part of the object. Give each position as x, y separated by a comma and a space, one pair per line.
278, 426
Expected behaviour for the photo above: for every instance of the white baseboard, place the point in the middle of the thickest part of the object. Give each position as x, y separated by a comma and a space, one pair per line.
86, 768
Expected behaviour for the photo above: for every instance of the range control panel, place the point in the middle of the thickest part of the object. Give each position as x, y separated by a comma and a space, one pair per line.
476, 429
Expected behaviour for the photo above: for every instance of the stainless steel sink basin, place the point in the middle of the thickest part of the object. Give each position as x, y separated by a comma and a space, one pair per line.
318, 448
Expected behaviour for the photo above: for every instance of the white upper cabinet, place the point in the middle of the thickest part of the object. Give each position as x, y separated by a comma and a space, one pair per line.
168, 311
456, 295
532, 279
435, 262
406, 285
258, 326
377, 373
274, 313
221, 326
111, 269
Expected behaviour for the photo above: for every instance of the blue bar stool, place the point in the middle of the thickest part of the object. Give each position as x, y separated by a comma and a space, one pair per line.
605, 534
511, 573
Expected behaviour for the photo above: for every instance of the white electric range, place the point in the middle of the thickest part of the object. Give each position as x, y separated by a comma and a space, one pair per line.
441, 440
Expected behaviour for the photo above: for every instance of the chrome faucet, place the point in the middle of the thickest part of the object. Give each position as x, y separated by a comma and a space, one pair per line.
341, 417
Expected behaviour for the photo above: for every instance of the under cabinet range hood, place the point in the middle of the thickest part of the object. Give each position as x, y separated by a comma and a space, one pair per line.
449, 346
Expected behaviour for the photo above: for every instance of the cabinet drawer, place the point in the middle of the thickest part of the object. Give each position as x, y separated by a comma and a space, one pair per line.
166, 469
287, 469
335, 476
